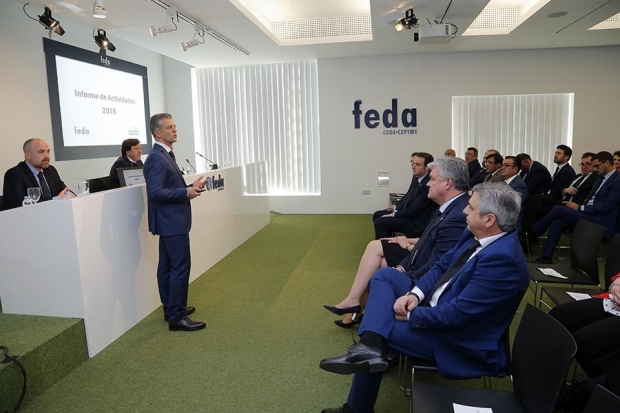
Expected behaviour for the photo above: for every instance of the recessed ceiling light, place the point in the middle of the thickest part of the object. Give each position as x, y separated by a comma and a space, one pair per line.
557, 14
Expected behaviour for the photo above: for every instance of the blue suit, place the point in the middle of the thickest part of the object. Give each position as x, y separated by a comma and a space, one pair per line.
439, 237
412, 218
170, 217
604, 211
519, 185
462, 333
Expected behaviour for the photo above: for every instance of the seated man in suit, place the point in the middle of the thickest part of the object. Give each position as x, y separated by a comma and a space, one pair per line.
510, 173
493, 164
471, 157
448, 186
535, 175
541, 204
131, 151
34, 171
564, 173
480, 176
601, 207
416, 212
456, 314
405, 199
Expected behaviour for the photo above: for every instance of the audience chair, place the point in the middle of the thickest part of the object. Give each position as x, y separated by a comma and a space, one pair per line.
583, 266
419, 364
602, 401
1, 203
395, 197
612, 267
542, 353
98, 184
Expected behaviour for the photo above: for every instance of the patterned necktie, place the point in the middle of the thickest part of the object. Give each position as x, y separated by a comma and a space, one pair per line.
576, 184
454, 268
174, 158
45, 189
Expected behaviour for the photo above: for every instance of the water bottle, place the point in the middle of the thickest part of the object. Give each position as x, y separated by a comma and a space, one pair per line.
27, 201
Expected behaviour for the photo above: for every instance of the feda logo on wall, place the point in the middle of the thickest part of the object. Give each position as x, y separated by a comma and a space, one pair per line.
213, 183
394, 122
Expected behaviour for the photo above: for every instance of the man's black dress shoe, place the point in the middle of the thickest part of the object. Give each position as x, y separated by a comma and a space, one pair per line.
355, 320
542, 260
342, 409
185, 324
343, 311
188, 310
573, 397
359, 357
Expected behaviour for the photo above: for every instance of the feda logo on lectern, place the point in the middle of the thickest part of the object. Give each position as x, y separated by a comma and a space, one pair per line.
215, 183
395, 122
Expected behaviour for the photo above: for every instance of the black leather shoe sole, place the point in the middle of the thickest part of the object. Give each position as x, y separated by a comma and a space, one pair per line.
372, 366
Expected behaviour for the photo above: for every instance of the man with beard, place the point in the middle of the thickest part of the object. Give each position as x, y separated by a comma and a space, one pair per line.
34, 171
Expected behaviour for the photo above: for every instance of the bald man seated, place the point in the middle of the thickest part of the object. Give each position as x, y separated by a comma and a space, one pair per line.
34, 171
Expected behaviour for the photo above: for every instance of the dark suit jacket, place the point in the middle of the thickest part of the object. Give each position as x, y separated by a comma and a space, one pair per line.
121, 162
606, 206
168, 205
477, 178
583, 190
420, 208
475, 308
473, 167
521, 187
537, 178
437, 239
408, 195
562, 180
19, 178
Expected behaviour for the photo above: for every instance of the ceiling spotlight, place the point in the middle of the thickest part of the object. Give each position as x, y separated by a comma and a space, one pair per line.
102, 41
171, 13
99, 10
161, 29
198, 31
50, 23
406, 22
191, 43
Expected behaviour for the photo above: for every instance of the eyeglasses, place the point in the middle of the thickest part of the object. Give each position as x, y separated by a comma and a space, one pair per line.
507, 165
596, 165
585, 164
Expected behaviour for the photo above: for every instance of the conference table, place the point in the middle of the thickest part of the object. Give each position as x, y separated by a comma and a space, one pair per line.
92, 256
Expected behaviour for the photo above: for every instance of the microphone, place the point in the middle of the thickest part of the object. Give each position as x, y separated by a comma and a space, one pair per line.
214, 167
190, 164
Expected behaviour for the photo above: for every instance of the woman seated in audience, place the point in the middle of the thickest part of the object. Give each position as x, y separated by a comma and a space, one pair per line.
617, 161
597, 333
378, 254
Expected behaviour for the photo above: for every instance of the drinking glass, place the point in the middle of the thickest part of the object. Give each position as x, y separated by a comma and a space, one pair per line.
34, 193
82, 188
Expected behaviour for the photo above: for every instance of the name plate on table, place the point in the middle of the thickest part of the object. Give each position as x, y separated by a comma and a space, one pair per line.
133, 175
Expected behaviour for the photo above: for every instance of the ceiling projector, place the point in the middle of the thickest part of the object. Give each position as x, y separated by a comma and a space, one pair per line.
434, 33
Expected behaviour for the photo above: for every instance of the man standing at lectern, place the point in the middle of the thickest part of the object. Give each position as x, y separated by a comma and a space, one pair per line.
34, 171
170, 217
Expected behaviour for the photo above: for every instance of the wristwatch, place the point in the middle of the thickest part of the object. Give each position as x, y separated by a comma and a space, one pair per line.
415, 295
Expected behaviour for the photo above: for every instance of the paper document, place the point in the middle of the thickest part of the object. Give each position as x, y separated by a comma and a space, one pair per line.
459, 408
579, 296
552, 273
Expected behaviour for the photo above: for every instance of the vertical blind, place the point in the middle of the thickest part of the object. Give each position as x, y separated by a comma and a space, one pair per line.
266, 112
513, 124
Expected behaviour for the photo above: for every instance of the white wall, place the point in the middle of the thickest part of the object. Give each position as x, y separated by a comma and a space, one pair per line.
24, 100
350, 159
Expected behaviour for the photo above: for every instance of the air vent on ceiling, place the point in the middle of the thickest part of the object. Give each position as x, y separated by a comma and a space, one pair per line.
496, 18
323, 27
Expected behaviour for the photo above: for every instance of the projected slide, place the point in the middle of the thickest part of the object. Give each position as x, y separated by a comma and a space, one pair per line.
99, 106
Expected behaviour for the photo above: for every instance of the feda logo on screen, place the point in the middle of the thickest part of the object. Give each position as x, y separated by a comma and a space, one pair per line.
393, 120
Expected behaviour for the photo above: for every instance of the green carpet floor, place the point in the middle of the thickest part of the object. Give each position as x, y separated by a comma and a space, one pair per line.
266, 332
